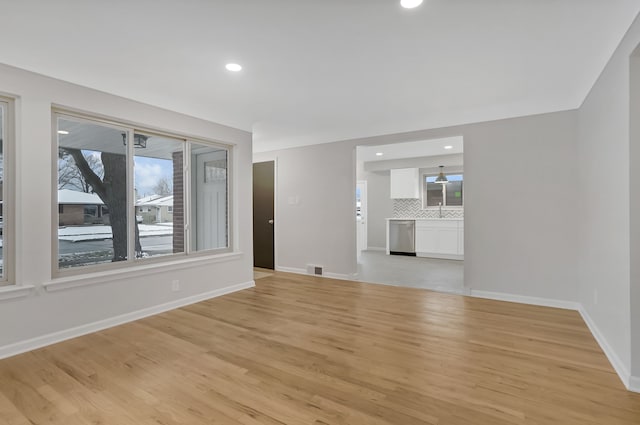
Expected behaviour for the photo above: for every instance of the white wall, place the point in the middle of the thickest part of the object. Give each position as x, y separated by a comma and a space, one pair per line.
315, 207
634, 161
520, 204
31, 318
604, 176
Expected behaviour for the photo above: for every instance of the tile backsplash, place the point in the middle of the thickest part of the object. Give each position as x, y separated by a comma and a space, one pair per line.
412, 208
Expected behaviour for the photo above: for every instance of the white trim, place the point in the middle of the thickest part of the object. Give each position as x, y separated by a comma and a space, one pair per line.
632, 383
55, 337
338, 276
615, 361
15, 291
440, 256
523, 299
292, 270
328, 275
138, 270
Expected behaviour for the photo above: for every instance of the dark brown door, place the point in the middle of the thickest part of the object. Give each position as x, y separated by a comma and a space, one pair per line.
263, 183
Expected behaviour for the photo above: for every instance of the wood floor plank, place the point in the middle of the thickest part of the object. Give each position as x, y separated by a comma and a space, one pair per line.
308, 350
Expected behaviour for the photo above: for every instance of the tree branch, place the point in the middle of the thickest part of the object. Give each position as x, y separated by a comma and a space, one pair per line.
91, 177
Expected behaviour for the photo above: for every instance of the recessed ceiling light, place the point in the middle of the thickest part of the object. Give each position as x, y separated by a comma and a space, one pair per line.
233, 67
63, 132
410, 4
379, 154
448, 147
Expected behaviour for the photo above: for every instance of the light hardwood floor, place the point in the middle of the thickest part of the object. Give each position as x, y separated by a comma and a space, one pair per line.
307, 350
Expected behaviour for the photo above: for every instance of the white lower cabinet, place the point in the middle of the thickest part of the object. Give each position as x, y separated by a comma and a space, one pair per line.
440, 238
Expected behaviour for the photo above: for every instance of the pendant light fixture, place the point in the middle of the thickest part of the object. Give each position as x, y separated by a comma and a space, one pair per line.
442, 179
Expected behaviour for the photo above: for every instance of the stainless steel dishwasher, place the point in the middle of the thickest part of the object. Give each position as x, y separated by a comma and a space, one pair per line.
402, 237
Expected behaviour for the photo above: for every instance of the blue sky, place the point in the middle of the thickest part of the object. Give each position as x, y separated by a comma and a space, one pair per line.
148, 171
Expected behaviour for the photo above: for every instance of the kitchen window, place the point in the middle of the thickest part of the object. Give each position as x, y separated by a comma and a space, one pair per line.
448, 194
113, 168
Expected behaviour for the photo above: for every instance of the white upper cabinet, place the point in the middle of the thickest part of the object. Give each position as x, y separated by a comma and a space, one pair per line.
405, 183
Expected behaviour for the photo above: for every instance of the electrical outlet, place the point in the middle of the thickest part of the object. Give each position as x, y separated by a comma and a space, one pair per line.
175, 285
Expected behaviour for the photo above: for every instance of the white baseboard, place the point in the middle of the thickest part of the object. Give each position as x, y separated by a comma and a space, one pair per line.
632, 383
440, 256
523, 299
325, 274
53, 338
291, 270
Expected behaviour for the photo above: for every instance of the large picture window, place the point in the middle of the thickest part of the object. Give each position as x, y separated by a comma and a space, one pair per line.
127, 195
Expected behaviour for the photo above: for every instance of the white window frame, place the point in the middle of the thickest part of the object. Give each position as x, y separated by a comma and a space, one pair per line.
8, 193
131, 261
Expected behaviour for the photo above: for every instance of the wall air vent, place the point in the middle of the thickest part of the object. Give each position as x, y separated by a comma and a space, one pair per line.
314, 269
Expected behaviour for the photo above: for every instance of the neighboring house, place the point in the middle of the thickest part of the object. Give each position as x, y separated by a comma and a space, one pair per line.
79, 208
155, 209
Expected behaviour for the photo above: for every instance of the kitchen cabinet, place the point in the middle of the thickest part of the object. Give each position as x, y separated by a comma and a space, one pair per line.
405, 183
440, 238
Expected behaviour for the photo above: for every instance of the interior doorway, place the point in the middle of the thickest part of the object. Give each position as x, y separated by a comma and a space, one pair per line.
263, 214
422, 183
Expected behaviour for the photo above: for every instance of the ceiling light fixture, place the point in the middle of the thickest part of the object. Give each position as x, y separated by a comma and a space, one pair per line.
442, 179
410, 4
233, 67
63, 132
139, 140
379, 154
448, 147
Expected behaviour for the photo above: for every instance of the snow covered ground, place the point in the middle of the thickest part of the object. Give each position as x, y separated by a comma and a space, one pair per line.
99, 232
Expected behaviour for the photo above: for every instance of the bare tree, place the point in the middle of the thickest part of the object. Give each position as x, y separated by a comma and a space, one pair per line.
111, 187
70, 176
164, 187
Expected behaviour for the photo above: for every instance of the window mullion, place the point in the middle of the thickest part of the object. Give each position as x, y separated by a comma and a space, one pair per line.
186, 203
131, 201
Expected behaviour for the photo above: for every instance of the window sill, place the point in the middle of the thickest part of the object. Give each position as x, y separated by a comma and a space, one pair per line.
95, 278
13, 291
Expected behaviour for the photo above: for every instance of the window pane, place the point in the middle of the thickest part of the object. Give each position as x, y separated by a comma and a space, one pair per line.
92, 194
158, 178
454, 192
3, 137
209, 197
434, 194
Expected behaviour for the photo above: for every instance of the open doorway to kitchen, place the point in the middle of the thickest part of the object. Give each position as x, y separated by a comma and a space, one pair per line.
415, 214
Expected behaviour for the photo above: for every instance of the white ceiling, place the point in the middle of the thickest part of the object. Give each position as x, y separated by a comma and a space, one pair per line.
421, 148
324, 70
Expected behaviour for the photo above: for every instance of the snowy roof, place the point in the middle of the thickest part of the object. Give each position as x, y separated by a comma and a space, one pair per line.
66, 196
155, 201
146, 199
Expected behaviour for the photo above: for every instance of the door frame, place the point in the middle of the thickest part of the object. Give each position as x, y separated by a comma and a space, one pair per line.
363, 208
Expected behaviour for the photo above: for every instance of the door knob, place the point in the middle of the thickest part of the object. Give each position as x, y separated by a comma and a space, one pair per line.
270, 221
